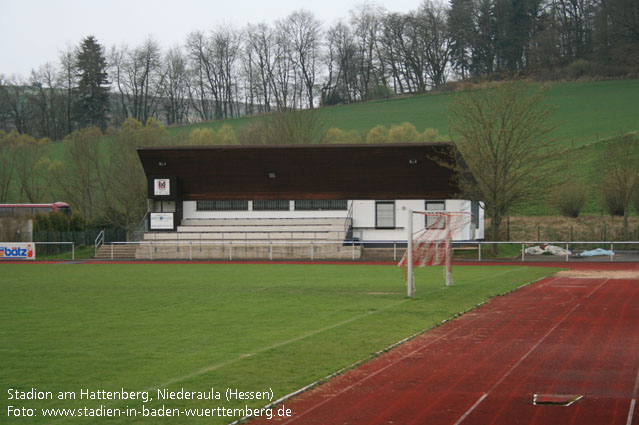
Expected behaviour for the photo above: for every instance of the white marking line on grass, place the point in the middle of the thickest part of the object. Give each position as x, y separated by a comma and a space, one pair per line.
524, 357
270, 347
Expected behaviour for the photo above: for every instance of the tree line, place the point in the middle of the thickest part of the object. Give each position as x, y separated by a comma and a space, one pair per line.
297, 62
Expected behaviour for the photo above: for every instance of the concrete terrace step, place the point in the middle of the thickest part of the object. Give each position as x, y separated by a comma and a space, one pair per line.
261, 228
262, 221
241, 236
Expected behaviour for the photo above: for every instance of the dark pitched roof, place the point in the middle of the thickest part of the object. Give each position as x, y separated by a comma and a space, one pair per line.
389, 171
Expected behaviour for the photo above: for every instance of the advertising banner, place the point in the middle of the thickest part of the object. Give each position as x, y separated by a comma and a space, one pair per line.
17, 251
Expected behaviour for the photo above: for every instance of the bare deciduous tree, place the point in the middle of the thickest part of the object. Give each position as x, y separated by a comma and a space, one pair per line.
502, 133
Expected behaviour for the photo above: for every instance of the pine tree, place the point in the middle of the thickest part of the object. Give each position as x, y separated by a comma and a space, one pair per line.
92, 102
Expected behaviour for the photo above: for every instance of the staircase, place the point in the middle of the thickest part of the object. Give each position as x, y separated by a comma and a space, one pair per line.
116, 252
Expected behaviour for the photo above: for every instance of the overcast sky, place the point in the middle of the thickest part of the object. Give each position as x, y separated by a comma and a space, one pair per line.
33, 32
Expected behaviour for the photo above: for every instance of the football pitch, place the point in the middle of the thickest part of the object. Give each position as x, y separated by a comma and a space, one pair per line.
205, 343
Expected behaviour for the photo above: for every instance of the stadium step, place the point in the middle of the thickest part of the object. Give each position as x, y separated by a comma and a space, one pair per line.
116, 252
252, 229
251, 238
262, 221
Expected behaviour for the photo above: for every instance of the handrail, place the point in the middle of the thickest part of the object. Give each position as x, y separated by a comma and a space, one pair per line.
348, 223
142, 227
99, 241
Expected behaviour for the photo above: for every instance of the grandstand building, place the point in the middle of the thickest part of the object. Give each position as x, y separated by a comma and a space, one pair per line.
317, 194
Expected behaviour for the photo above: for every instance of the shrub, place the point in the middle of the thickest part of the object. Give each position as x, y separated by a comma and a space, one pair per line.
613, 198
578, 68
336, 135
403, 133
431, 135
201, 136
226, 135
569, 198
377, 134
333, 135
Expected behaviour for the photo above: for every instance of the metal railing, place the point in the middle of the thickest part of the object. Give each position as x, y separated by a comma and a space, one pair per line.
99, 241
355, 250
234, 250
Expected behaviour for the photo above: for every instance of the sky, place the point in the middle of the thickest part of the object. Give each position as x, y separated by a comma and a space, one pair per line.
34, 32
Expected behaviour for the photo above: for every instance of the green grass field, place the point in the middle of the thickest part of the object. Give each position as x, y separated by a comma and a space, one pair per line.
141, 327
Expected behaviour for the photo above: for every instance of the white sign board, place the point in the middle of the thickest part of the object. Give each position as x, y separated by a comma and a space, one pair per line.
161, 221
162, 187
17, 251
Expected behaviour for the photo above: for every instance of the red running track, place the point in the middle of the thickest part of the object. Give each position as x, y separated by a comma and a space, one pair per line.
560, 336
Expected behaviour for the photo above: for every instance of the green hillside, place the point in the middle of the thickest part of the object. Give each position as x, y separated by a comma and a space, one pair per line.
584, 112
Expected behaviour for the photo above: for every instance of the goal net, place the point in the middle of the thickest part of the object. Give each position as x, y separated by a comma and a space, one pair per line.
432, 243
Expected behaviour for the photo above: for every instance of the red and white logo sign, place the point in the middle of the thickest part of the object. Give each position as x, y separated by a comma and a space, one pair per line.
162, 187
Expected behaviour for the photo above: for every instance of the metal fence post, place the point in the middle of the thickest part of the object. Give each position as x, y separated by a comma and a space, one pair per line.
612, 251
479, 250
523, 251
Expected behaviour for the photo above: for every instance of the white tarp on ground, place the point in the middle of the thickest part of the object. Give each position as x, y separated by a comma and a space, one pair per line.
596, 252
546, 249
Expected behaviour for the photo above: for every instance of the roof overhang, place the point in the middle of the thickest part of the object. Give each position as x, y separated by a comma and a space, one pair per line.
388, 171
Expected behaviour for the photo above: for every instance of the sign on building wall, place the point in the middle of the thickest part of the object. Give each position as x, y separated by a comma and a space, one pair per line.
162, 221
162, 187
17, 251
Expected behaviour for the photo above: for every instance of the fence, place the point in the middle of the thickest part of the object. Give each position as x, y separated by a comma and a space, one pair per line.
567, 229
374, 250
85, 237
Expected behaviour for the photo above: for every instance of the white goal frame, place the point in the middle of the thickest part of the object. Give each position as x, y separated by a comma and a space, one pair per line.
447, 240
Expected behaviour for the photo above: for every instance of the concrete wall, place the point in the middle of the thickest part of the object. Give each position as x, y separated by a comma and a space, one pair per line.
364, 220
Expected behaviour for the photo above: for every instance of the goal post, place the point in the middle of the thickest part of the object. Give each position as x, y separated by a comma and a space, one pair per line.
432, 243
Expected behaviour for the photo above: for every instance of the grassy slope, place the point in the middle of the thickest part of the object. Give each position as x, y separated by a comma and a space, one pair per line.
584, 112
66, 327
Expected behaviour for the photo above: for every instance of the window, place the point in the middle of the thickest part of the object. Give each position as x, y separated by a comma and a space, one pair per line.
271, 205
42, 210
222, 206
474, 210
322, 205
385, 214
65, 210
433, 222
